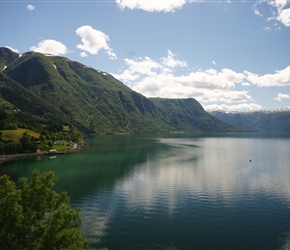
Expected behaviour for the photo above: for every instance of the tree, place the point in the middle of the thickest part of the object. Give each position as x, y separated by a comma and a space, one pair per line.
28, 143
34, 216
42, 138
49, 143
25, 141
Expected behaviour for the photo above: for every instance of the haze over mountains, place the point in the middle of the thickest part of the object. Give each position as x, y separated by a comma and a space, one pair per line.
263, 120
55, 90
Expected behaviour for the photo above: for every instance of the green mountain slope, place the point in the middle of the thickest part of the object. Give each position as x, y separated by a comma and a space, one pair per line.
6, 57
55, 89
189, 115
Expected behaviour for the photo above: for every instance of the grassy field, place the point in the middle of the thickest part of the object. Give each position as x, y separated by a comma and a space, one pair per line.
66, 128
61, 148
16, 134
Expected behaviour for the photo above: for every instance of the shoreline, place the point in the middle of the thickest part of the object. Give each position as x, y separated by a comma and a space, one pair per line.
7, 158
12, 157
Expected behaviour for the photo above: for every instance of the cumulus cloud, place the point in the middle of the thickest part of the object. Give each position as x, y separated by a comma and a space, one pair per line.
280, 12
171, 87
284, 17
237, 107
170, 77
83, 54
279, 78
93, 41
30, 7
140, 68
14, 50
170, 62
152, 5
50, 47
159, 79
281, 96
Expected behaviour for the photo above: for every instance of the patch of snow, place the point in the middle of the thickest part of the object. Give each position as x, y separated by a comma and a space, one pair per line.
104, 73
4, 68
20, 55
263, 111
54, 65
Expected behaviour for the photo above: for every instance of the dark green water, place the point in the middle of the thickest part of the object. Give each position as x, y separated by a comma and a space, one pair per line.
177, 192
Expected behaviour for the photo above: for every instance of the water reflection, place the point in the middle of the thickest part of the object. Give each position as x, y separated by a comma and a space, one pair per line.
102, 162
178, 193
213, 166
199, 183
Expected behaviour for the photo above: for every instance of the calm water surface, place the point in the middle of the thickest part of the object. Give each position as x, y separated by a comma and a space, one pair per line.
177, 192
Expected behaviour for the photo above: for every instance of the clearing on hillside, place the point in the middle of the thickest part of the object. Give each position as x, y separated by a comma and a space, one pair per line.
16, 134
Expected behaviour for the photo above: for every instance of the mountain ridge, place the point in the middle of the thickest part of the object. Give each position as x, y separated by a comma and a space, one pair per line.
55, 89
259, 120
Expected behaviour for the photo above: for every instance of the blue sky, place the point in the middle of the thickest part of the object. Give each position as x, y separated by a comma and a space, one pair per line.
230, 55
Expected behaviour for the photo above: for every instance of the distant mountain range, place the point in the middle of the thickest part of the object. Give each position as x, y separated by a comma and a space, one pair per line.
46, 89
262, 120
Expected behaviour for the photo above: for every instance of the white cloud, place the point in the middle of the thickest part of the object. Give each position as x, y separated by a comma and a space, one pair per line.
171, 87
159, 79
258, 13
14, 50
245, 84
268, 28
280, 78
237, 107
281, 96
139, 68
30, 7
83, 54
93, 41
213, 62
212, 79
280, 12
144, 67
152, 5
50, 47
163, 78
279, 4
170, 62
284, 17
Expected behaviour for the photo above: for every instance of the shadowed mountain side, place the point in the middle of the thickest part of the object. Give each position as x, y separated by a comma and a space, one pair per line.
189, 115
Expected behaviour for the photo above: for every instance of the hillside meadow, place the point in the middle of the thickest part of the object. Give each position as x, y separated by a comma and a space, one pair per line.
15, 134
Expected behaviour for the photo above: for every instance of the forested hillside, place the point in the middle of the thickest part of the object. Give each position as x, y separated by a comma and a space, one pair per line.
43, 90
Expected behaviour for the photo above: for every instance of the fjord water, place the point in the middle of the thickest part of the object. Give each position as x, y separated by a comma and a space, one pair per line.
177, 192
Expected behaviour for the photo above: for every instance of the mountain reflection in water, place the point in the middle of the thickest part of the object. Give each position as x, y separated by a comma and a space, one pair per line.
178, 192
